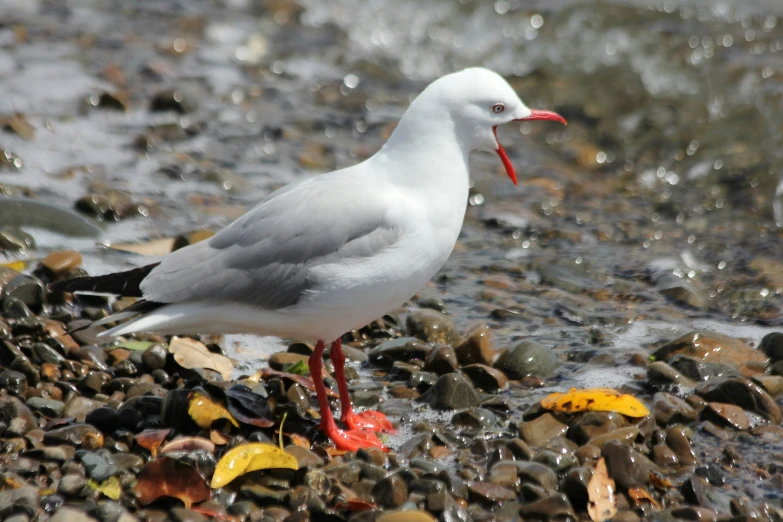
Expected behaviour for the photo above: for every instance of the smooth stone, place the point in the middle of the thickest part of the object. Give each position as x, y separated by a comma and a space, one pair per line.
441, 360
179, 514
698, 370
402, 349
555, 507
489, 493
26, 289
485, 377
742, 392
664, 457
772, 346
678, 441
62, 261
282, 360
504, 473
537, 473
71, 485
24, 499
451, 392
82, 435
79, 407
594, 423
670, 409
700, 514
626, 466
527, 358
540, 431
433, 327
154, 357
727, 415
712, 347
17, 416
406, 516
574, 485
99, 467
304, 457
390, 492
14, 382
773, 384
46, 407
625, 435
476, 418
477, 347
659, 372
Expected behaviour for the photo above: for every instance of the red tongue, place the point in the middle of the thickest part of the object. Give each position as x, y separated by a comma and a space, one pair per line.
504, 159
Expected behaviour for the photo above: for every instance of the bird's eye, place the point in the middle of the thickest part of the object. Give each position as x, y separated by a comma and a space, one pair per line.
498, 108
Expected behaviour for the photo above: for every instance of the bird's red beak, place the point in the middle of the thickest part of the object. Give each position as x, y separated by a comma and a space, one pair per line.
534, 115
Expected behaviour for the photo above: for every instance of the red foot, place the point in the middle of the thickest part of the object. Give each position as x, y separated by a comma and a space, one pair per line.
368, 420
353, 439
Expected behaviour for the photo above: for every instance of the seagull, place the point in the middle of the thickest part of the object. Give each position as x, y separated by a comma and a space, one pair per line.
329, 254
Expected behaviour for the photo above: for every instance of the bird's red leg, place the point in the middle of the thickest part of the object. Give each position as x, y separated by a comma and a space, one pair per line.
350, 440
366, 420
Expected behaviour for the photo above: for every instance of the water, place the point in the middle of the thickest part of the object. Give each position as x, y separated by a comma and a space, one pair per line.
667, 174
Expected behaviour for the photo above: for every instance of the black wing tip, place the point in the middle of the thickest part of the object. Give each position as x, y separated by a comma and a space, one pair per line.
126, 284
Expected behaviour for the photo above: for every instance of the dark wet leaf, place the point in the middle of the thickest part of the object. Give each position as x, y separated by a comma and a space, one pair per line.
298, 379
244, 405
166, 477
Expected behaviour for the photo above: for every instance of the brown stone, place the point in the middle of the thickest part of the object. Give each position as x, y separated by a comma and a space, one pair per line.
540, 431
727, 415
281, 360
716, 348
62, 261
476, 347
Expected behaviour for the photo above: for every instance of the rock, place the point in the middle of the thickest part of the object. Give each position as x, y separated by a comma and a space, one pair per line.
678, 441
98, 465
390, 492
489, 493
485, 377
14, 382
537, 473
180, 514
304, 457
540, 431
432, 327
595, 423
83, 435
46, 407
694, 513
61, 262
626, 466
772, 346
406, 516
742, 392
773, 384
154, 357
475, 418
476, 347
625, 435
664, 457
527, 358
555, 507
661, 373
504, 473
682, 292
80, 407
698, 370
716, 348
670, 409
71, 485
441, 360
17, 416
727, 415
451, 392
21, 500
26, 289
402, 349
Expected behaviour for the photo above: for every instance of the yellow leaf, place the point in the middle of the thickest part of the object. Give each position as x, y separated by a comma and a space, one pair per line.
190, 353
205, 411
109, 487
595, 399
14, 265
250, 457
602, 502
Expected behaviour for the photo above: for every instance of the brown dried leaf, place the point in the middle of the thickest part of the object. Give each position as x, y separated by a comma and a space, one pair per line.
298, 440
219, 438
640, 496
166, 477
152, 439
190, 353
602, 504
659, 481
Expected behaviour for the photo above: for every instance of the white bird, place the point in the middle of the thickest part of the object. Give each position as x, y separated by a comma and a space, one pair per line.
329, 254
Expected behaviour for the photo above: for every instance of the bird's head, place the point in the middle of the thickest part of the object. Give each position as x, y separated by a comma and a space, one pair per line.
478, 101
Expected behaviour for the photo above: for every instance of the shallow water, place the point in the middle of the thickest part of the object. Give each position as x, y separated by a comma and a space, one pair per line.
668, 173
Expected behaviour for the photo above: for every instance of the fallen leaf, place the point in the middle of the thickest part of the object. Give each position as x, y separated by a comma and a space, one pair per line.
109, 487
356, 505
156, 247
602, 503
166, 477
640, 496
298, 379
595, 399
659, 481
299, 368
219, 438
14, 265
136, 346
190, 353
334, 452
150, 440
246, 406
250, 457
298, 440
204, 410
188, 445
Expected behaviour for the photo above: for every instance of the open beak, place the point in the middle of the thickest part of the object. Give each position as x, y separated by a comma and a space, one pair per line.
534, 115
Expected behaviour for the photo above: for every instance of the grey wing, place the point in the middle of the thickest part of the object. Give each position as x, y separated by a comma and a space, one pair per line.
264, 257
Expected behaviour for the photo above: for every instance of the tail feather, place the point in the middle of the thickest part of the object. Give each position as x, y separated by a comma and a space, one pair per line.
127, 284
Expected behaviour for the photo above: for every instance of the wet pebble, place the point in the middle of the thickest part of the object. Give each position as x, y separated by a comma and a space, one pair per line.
14, 382
527, 358
626, 466
402, 349
485, 377
441, 360
742, 392
451, 392
540, 431
727, 415
390, 492
433, 327
477, 347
